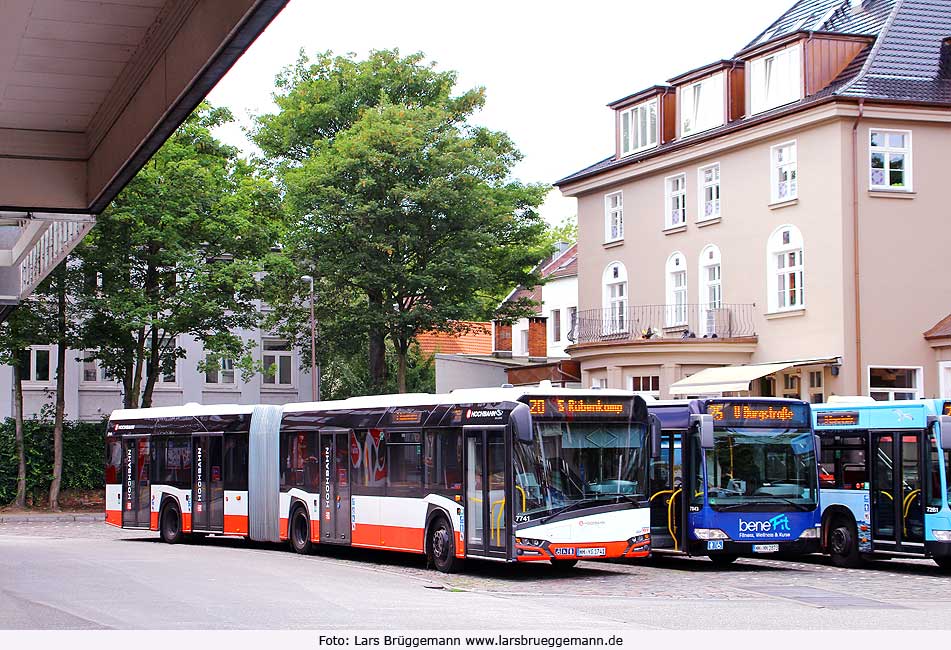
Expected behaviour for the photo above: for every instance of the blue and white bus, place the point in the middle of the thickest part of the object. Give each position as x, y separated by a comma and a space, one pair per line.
884, 479
735, 477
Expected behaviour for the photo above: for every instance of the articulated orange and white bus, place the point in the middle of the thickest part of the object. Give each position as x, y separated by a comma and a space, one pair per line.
509, 474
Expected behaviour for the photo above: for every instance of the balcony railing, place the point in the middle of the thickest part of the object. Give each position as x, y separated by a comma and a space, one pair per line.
668, 322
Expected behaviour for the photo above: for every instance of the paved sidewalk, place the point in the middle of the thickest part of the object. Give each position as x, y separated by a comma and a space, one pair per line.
36, 517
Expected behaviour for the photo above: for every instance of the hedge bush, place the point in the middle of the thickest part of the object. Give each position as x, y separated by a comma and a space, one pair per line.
83, 457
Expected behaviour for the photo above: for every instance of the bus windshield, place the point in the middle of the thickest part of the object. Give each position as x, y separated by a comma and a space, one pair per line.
771, 468
568, 464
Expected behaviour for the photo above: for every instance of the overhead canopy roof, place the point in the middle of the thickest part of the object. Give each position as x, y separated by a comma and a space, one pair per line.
88, 92
732, 379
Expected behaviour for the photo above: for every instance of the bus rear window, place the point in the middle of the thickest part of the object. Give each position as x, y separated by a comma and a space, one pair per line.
113, 462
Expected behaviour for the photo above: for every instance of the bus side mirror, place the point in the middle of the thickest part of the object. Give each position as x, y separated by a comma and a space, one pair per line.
520, 420
655, 433
818, 447
705, 422
946, 431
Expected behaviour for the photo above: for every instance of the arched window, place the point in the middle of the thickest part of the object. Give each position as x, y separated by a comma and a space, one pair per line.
785, 271
711, 292
614, 298
676, 290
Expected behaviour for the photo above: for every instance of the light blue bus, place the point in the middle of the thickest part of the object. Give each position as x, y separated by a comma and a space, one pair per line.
884, 479
734, 477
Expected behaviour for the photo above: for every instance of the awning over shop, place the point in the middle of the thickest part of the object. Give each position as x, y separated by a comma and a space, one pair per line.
731, 379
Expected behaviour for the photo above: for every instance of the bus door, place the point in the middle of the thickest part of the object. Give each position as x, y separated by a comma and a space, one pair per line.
897, 503
487, 480
335, 524
137, 484
208, 495
666, 497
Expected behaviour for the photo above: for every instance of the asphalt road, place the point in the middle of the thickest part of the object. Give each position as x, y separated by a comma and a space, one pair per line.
82, 575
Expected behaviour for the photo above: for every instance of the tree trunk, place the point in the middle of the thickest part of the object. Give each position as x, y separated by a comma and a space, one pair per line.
20, 501
137, 369
60, 392
402, 351
377, 348
153, 368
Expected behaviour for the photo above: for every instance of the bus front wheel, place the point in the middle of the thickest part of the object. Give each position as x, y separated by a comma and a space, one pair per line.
441, 549
843, 546
299, 532
170, 526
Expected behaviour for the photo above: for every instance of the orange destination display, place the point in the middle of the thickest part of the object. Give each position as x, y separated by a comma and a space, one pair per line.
404, 416
837, 419
759, 414
947, 409
580, 407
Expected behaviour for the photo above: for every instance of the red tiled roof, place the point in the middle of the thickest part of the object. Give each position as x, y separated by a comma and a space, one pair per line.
941, 329
477, 340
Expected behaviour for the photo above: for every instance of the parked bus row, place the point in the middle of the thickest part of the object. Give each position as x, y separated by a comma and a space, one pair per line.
541, 474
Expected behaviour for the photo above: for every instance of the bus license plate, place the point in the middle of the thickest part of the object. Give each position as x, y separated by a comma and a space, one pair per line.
564, 551
592, 552
766, 548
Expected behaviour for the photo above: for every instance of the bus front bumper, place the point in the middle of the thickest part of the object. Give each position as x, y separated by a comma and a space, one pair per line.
763, 549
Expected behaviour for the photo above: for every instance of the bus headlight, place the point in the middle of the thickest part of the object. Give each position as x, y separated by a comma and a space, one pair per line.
710, 533
942, 535
810, 533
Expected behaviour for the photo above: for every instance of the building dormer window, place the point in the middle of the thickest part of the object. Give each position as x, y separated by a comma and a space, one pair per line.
776, 79
702, 105
639, 128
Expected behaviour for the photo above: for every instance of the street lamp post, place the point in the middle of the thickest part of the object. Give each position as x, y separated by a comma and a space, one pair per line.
314, 386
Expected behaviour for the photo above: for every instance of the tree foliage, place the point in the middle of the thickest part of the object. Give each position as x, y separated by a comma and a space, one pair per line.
404, 211
176, 253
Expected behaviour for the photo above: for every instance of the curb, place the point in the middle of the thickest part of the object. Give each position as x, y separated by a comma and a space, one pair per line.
49, 518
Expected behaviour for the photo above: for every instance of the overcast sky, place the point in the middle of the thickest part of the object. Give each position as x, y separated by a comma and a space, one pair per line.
548, 68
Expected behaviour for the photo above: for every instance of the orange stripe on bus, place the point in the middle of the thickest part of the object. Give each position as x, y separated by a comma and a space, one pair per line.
153, 521
395, 538
114, 518
236, 524
186, 522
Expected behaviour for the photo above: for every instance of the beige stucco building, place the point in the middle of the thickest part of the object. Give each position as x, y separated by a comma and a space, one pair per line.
782, 216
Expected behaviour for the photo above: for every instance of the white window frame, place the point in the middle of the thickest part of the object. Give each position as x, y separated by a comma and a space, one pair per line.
273, 381
710, 257
614, 304
163, 380
652, 392
706, 111
523, 341
612, 234
919, 381
220, 381
702, 186
635, 116
572, 322
554, 317
49, 349
887, 151
944, 379
670, 195
776, 79
676, 313
776, 248
101, 373
777, 168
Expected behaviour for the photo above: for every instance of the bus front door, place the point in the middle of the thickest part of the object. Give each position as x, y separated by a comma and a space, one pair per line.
137, 485
487, 480
897, 510
335, 524
666, 497
208, 496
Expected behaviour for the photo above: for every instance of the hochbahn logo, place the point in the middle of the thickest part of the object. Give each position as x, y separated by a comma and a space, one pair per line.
130, 479
496, 413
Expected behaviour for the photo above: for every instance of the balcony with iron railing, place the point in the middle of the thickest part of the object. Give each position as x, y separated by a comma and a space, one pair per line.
669, 323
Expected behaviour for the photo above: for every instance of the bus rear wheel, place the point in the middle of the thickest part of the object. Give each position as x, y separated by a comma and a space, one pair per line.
723, 559
441, 549
170, 524
299, 532
843, 546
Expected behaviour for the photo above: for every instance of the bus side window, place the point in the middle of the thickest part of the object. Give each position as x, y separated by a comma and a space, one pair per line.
236, 461
443, 459
113, 461
404, 459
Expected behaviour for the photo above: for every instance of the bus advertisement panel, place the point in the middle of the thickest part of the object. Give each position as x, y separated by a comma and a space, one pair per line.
747, 486
502, 474
883, 472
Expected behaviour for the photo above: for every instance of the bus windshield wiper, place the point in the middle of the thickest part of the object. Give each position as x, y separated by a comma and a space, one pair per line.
571, 506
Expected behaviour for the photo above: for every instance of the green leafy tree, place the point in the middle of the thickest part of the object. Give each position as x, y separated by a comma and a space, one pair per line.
177, 253
403, 209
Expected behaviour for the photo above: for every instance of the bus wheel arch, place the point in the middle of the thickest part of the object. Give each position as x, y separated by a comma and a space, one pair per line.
170, 520
299, 528
440, 542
